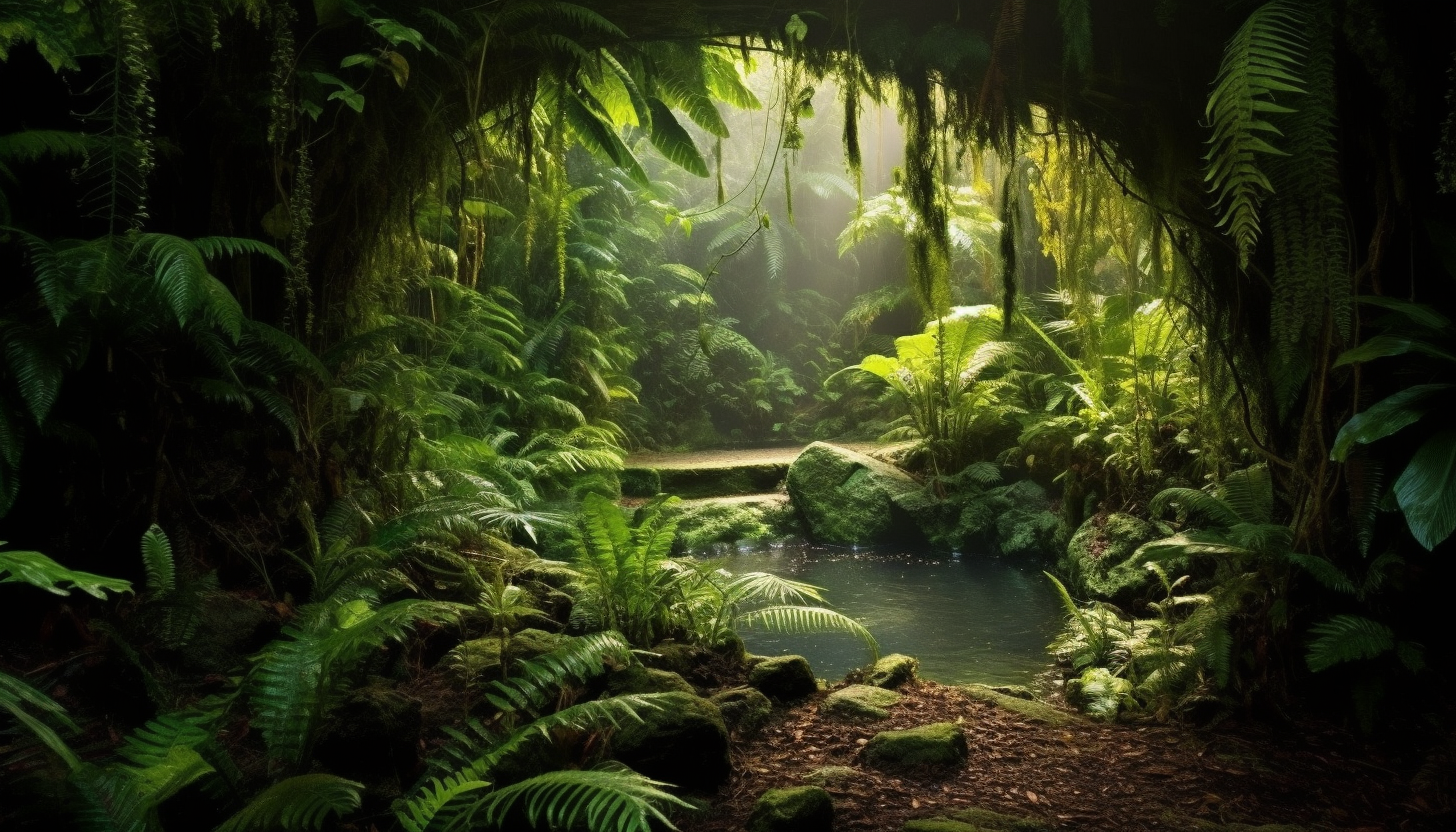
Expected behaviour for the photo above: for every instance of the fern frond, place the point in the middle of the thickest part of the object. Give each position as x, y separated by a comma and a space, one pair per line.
1347, 638
17, 696
794, 619
537, 680
435, 806
157, 558
297, 803
608, 797
1261, 61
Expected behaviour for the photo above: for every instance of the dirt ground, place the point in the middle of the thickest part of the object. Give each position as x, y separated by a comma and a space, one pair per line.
1081, 776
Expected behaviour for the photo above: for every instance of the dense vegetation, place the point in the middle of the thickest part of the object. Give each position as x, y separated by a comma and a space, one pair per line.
350, 312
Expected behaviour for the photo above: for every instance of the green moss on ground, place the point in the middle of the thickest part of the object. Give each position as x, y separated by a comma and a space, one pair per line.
1028, 709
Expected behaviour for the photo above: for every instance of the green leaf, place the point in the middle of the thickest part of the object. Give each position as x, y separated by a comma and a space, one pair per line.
1384, 418
298, 803
1426, 490
40, 571
600, 138
1384, 346
796, 28
1347, 638
669, 136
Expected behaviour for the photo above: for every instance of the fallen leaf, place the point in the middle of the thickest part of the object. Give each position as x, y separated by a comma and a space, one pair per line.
914, 803
1031, 795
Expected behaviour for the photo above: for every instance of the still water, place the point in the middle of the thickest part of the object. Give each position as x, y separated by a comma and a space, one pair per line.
967, 618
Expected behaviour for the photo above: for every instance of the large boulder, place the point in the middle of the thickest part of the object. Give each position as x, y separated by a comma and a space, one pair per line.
938, 744
683, 742
1101, 558
847, 498
784, 678
892, 671
745, 710
795, 809
859, 702
639, 679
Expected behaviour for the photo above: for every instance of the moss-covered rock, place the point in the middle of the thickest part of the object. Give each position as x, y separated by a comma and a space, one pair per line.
640, 482
683, 742
794, 809
976, 820
1015, 691
938, 744
530, 643
859, 702
1027, 709
785, 678
846, 497
892, 671
638, 679
1100, 558
721, 480
706, 523
745, 709
834, 777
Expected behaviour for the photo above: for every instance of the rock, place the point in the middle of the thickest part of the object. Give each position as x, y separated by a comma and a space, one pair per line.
718, 480
784, 678
1029, 535
373, 736
531, 643
718, 521
859, 702
1031, 710
229, 628
846, 498
745, 710
1101, 559
833, 777
977, 820
938, 744
1014, 691
892, 671
683, 742
795, 809
639, 679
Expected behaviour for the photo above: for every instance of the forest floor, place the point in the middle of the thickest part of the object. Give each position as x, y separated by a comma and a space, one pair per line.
1080, 775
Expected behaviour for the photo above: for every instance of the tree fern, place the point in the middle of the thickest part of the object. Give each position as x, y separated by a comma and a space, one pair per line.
1261, 61
303, 802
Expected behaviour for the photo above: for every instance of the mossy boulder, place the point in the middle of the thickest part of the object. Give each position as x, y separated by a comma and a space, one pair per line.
745, 709
683, 741
848, 498
976, 820
1100, 559
229, 628
892, 671
721, 480
794, 809
859, 702
638, 679
704, 524
785, 678
938, 744
640, 482
1028, 709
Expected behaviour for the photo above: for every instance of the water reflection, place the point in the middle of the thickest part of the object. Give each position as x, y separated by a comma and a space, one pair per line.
968, 618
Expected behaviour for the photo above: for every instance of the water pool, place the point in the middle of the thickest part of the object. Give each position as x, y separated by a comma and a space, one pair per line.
967, 618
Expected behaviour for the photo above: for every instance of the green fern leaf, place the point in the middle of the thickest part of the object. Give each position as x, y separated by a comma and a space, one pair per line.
435, 807
1347, 638
178, 271
1260, 61
157, 558
19, 698
795, 619
298, 803
609, 797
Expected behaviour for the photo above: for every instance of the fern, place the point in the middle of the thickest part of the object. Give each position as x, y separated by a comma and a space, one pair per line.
537, 680
1261, 60
795, 619
297, 803
157, 558
19, 699
1347, 638
608, 797
436, 806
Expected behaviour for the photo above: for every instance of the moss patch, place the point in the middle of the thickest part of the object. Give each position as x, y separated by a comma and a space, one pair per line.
939, 744
859, 702
1031, 710
795, 809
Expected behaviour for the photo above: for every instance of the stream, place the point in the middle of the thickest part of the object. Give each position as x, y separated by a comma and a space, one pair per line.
967, 618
